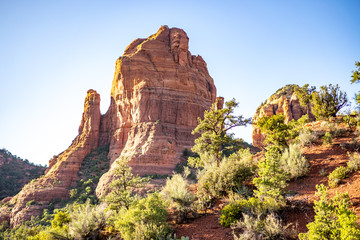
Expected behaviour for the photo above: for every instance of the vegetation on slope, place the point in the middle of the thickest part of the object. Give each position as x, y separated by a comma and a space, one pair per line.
254, 187
95, 164
15, 173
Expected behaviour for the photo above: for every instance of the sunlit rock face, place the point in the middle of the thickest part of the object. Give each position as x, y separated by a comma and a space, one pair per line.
158, 92
284, 101
62, 173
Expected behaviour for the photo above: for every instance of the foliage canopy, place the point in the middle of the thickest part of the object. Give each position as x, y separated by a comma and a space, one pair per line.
334, 218
214, 129
355, 78
328, 101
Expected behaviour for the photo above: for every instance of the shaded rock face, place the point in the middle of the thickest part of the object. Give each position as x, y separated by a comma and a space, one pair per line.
62, 172
158, 92
284, 101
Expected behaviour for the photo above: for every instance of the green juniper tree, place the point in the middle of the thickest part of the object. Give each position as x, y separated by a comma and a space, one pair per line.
334, 218
355, 79
214, 129
121, 188
277, 132
271, 180
304, 94
328, 101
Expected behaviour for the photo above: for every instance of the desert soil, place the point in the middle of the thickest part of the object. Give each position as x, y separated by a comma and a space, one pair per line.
323, 159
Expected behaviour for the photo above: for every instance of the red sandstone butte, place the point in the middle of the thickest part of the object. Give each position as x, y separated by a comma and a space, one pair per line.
158, 92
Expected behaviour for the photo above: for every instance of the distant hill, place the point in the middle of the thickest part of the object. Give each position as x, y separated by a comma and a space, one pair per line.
15, 173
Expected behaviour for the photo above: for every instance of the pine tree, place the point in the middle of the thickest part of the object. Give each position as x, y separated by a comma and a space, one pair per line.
271, 180
214, 129
356, 78
328, 101
121, 194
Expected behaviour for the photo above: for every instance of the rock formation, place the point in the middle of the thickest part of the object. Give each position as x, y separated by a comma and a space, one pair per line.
284, 101
158, 92
62, 172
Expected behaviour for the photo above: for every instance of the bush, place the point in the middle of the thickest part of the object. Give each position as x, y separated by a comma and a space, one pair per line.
121, 194
216, 181
145, 219
327, 138
354, 164
60, 224
30, 203
176, 192
275, 129
334, 218
306, 137
175, 238
271, 180
254, 227
337, 175
88, 220
181, 166
293, 162
342, 172
231, 213
253, 206
28, 230
328, 101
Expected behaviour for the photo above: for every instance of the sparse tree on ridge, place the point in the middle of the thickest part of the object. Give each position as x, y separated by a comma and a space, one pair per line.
328, 101
355, 79
214, 131
304, 94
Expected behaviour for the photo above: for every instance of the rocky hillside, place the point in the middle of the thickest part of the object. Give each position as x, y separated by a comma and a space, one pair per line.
15, 173
323, 159
283, 101
158, 92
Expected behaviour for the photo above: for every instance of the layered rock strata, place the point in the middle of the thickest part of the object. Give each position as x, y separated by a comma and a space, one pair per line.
62, 172
158, 92
284, 101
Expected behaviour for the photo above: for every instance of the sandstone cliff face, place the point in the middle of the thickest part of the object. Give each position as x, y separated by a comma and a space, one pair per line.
63, 170
158, 92
284, 101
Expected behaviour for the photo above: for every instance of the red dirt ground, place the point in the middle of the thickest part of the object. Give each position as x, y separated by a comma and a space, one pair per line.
322, 159
205, 227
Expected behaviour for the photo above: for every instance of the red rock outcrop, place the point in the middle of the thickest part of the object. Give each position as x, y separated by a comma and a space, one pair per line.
284, 101
158, 92
63, 170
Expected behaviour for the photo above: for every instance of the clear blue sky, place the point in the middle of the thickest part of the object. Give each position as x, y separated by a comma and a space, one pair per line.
52, 52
